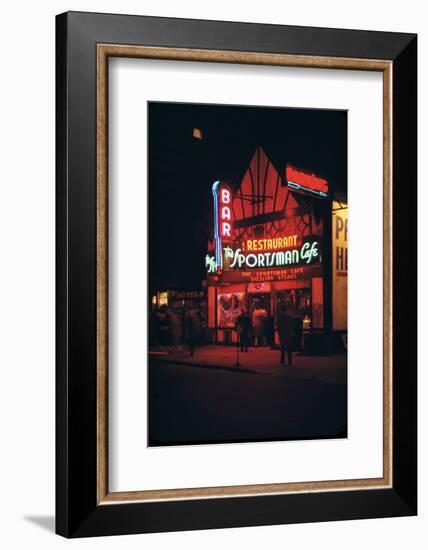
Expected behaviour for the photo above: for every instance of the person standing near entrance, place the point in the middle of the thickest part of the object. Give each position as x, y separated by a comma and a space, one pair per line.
287, 334
243, 326
259, 314
268, 329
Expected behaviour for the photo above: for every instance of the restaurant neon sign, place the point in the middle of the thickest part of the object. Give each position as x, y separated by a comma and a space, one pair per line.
275, 243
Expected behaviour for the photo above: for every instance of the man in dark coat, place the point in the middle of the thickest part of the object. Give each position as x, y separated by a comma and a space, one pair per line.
243, 326
268, 329
287, 334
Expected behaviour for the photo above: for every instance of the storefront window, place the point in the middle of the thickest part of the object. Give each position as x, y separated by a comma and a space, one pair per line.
229, 307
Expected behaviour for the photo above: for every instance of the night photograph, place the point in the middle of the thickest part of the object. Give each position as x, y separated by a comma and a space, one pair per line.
247, 233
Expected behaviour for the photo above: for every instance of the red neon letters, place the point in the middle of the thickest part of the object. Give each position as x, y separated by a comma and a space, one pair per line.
225, 212
305, 179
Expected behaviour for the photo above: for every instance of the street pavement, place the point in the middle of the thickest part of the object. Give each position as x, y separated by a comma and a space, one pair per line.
332, 368
206, 399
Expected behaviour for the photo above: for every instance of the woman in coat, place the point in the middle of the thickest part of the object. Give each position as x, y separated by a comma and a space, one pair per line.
257, 321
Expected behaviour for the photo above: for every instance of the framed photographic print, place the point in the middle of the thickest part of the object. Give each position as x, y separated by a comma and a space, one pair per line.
236, 274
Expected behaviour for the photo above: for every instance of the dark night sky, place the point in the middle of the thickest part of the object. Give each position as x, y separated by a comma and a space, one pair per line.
182, 170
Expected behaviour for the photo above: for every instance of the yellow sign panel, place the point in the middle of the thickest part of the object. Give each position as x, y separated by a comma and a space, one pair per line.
340, 265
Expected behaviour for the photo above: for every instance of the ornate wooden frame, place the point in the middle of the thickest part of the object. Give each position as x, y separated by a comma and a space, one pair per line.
85, 42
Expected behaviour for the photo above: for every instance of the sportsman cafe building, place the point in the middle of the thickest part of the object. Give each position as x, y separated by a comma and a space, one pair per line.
280, 238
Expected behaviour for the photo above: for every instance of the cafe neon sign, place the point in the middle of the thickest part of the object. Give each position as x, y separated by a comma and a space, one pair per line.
308, 253
276, 252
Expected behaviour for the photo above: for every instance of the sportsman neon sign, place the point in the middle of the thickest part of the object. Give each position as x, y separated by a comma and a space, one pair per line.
305, 182
222, 195
308, 253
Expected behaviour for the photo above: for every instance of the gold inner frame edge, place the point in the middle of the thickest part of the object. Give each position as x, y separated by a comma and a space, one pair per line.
104, 52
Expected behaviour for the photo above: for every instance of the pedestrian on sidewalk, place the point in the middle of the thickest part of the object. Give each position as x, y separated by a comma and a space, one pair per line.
174, 327
243, 327
164, 328
287, 334
193, 329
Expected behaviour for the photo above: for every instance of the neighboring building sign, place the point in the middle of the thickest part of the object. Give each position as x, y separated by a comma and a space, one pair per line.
187, 294
340, 265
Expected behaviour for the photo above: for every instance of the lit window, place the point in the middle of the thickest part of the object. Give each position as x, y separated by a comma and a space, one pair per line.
197, 133
163, 299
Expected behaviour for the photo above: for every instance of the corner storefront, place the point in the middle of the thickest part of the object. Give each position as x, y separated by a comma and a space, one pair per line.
272, 245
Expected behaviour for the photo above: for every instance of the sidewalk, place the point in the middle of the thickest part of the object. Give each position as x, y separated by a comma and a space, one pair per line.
258, 361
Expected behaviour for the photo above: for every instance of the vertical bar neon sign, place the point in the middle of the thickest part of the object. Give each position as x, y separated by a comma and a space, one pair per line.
222, 218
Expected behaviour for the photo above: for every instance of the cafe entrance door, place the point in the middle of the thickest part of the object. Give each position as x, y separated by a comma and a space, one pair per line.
260, 309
